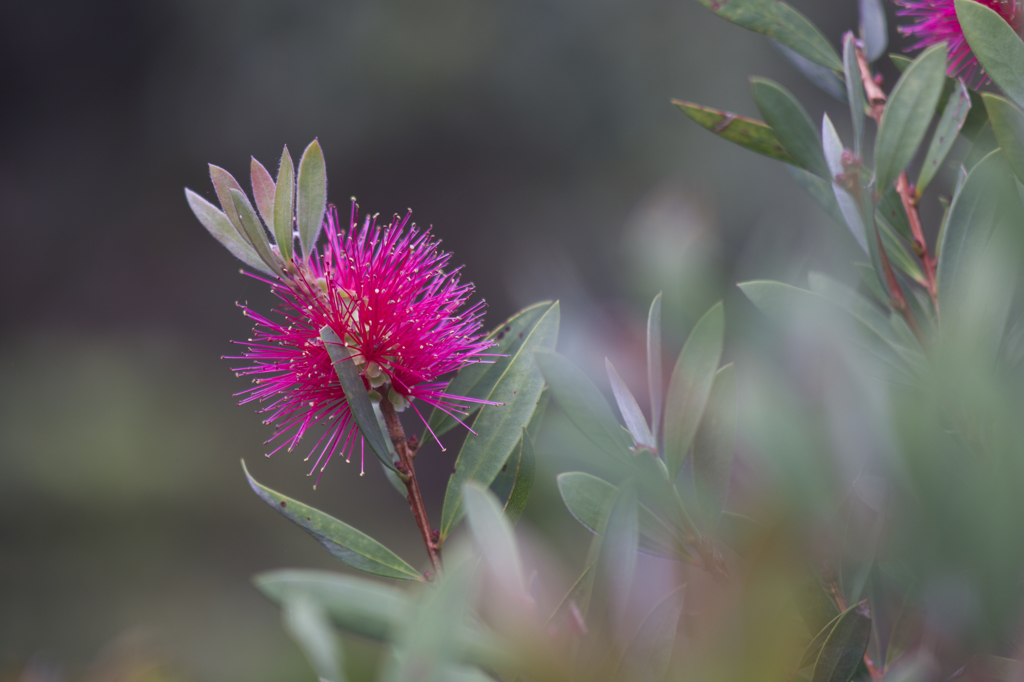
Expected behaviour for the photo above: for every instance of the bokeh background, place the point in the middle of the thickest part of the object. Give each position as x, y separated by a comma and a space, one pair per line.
536, 137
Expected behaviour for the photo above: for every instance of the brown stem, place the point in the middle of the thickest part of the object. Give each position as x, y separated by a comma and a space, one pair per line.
898, 300
909, 199
408, 475
872, 90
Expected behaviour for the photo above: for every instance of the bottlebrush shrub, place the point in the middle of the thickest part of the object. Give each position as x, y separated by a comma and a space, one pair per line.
872, 526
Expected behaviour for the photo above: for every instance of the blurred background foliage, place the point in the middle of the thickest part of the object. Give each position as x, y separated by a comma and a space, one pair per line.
538, 139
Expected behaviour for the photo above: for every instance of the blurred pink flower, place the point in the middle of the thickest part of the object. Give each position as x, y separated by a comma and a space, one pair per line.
383, 291
935, 21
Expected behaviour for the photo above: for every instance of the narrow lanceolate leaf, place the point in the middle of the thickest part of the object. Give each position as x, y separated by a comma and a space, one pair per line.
654, 363
254, 229
629, 409
822, 76
308, 624
217, 224
589, 499
844, 647
783, 23
715, 444
356, 395
354, 548
746, 132
478, 380
526, 471
616, 563
953, 115
996, 45
1008, 125
649, 652
493, 536
873, 29
690, 385
890, 208
849, 205
584, 405
791, 124
284, 206
223, 183
498, 428
311, 198
970, 222
263, 189
854, 91
908, 114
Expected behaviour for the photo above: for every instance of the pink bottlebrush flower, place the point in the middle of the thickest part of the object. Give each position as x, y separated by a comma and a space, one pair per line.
935, 21
383, 291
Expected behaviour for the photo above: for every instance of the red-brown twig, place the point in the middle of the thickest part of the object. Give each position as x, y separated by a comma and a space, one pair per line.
909, 198
408, 475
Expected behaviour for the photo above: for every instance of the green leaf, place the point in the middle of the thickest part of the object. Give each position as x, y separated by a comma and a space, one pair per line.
690, 386
649, 652
616, 563
996, 45
781, 22
478, 379
953, 115
715, 444
364, 607
969, 224
746, 132
311, 198
526, 470
813, 649
738, 532
498, 428
263, 189
976, 119
849, 206
908, 114
217, 224
254, 229
823, 77
869, 278
354, 548
223, 183
307, 622
890, 209
791, 124
1008, 125
492, 533
589, 499
901, 62
284, 206
873, 29
899, 256
654, 377
584, 405
630, 411
844, 648
854, 88
356, 395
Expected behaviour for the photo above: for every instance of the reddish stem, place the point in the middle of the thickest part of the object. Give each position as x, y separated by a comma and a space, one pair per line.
909, 198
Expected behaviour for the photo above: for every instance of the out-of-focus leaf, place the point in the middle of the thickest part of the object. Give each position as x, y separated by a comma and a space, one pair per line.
1008, 125
792, 125
584, 405
498, 428
996, 45
957, 107
849, 205
356, 395
617, 560
715, 444
654, 364
746, 132
970, 222
738, 531
818, 612
917, 667
854, 90
869, 278
890, 209
589, 499
844, 648
873, 28
629, 409
478, 379
976, 119
263, 189
311, 197
984, 144
254, 229
307, 622
813, 649
821, 191
908, 114
822, 76
364, 607
899, 256
690, 386
781, 22
351, 546
493, 536
649, 652
217, 224
284, 206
